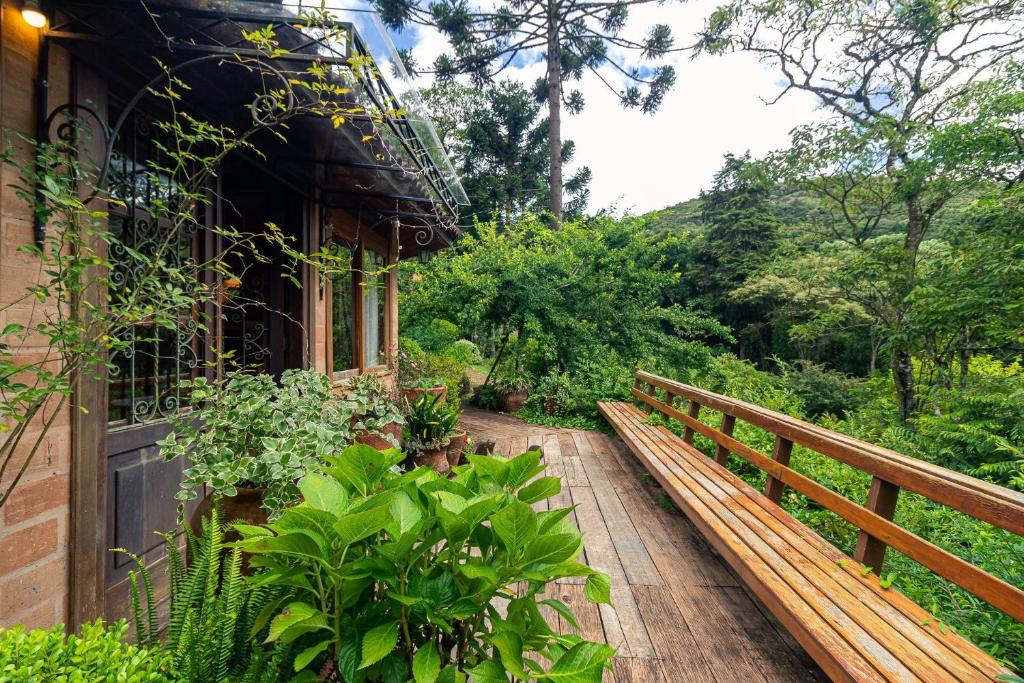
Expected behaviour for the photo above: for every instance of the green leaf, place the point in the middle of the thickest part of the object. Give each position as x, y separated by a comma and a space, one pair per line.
523, 468
515, 525
356, 526
405, 513
488, 671
598, 589
378, 643
541, 489
583, 663
563, 610
323, 493
510, 646
553, 548
491, 466
304, 658
294, 614
426, 664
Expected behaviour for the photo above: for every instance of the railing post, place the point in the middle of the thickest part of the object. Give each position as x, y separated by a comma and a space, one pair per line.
882, 497
639, 386
694, 412
722, 453
773, 488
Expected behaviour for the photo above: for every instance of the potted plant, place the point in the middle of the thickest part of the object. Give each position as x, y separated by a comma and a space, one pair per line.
413, 383
249, 440
429, 427
514, 389
376, 419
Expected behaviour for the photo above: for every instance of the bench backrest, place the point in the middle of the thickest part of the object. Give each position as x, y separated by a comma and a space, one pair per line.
890, 472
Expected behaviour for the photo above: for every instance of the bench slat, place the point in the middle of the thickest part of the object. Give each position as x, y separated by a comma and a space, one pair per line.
790, 568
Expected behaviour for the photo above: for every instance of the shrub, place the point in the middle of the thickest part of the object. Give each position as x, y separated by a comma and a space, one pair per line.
436, 336
395, 574
820, 389
97, 654
466, 352
246, 430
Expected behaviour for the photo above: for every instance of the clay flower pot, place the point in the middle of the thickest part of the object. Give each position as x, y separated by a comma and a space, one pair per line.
375, 440
246, 507
434, 458
456, 446
410, 394
512, 401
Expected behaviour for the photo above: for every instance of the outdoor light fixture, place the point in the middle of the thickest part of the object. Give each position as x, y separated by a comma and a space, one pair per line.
424, 254
33, 14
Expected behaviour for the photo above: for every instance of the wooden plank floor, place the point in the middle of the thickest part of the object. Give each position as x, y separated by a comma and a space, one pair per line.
680, 614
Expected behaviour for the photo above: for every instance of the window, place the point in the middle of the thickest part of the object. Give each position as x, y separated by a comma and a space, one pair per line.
374, 308
343, 355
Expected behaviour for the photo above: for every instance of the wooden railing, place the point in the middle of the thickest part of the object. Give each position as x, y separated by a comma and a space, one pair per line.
890, 472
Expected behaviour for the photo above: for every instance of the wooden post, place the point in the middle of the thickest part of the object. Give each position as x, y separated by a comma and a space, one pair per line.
882, 497
773, 488
722, 453
694, 412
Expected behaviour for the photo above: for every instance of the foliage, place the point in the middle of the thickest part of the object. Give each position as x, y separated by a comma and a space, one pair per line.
429, 423
499, 144
512, 382
373, 405
466, 352
418, 368
573, 38
98, 653
820, 389
214, 616
395, 574
246, 430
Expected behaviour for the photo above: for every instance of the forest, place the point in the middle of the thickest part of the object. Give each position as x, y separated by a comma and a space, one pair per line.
869, 277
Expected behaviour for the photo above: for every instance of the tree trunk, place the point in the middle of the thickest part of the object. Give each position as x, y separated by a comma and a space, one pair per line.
554, 115
902, 360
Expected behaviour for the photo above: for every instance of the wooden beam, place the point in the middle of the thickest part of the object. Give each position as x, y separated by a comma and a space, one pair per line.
773, 488
694, 412
721, 452
882, 498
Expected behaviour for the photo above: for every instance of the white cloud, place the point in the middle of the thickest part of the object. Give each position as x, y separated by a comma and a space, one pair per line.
645, 162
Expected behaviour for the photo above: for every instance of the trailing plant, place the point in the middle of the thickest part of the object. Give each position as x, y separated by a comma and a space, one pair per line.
430, 422
216, 620
246, 430
97, 653
512, 381
487, 396
372, 404
398, 576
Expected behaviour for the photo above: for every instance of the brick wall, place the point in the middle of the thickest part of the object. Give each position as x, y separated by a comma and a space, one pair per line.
34, 522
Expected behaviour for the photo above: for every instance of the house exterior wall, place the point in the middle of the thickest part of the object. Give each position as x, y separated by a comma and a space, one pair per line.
37, 531
34, 522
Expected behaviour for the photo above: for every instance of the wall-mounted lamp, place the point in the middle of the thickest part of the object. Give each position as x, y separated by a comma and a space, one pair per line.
424, 254
32, 13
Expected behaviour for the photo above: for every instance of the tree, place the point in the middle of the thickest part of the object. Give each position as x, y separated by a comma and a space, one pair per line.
499, 144
740, 231
576, 36
893, 75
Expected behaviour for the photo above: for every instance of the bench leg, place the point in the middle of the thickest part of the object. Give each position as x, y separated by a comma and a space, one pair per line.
773, 488
882, 497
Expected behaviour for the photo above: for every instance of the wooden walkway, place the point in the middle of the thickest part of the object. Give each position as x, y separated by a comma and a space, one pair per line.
680, 613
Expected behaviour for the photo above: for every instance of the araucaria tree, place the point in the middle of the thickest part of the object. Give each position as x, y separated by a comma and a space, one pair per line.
575, 36
895, 75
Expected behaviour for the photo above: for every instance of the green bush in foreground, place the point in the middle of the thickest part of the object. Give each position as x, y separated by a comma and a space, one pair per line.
97, 655
399, 575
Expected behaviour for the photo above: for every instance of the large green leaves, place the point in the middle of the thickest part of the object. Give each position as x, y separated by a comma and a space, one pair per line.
426, 664
356, 526
583, 663
378, 643
515, 525
323, 493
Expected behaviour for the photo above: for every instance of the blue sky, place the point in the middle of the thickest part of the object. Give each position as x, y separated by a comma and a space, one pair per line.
646, 162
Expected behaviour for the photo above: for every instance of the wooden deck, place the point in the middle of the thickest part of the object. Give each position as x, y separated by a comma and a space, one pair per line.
680, 613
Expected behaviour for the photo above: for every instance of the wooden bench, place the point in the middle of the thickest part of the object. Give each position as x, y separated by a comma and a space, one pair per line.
852, 626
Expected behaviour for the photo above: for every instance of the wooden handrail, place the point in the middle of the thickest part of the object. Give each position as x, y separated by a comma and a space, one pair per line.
890, 471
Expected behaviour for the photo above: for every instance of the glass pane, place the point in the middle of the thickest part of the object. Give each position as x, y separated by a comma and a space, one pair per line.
374, 315
342, 322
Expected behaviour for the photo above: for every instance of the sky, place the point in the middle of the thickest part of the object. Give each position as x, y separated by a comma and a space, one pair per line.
643, 162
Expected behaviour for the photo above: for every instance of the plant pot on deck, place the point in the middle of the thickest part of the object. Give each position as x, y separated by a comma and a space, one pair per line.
377, 439
512, 401
456, 446
435, 458
410, 394
246, 507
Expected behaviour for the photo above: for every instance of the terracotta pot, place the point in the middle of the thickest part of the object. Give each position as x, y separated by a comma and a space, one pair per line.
245, 507
375, 440
411, 394
435, 458
456, 446
512, 401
